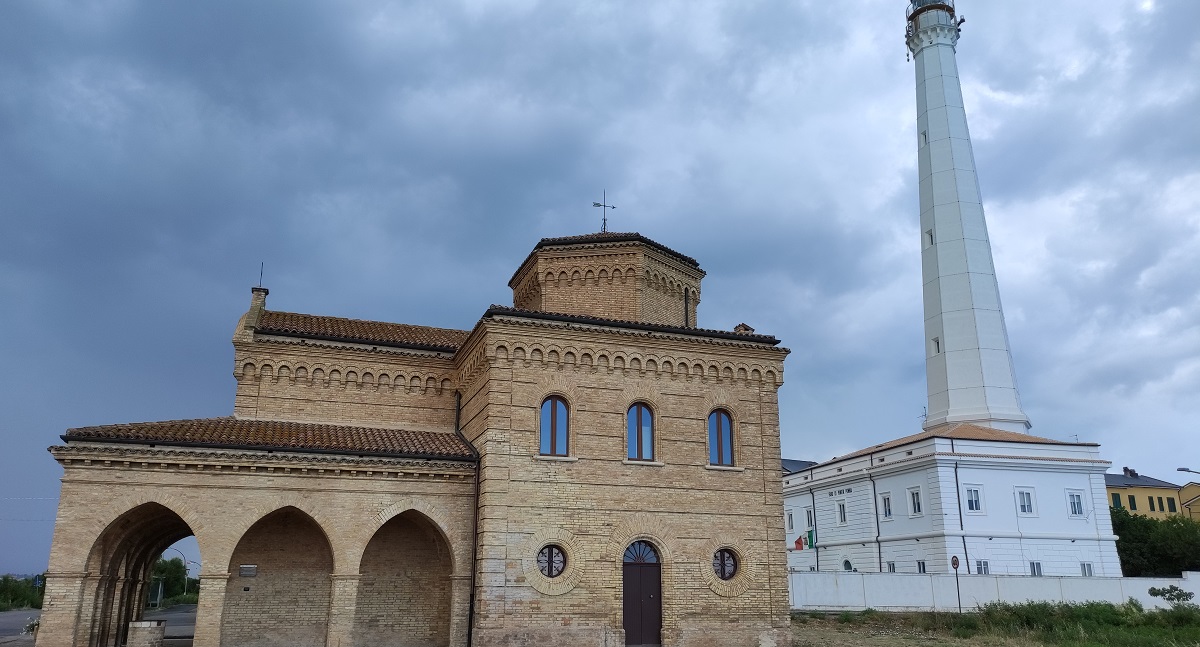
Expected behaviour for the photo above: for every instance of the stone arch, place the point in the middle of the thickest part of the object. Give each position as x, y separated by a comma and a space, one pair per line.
519, 353
501, 351
120, 564
281, 588
405, 579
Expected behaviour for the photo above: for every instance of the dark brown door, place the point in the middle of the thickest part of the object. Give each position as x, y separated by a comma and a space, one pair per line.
642, 588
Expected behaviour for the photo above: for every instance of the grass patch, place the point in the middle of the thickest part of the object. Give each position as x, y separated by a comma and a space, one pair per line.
1091, 624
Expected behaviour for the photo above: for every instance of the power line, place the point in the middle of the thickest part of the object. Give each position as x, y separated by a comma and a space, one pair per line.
28, 498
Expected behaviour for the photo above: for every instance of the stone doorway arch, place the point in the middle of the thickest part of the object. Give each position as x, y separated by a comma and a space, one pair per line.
279, 588
405, 586
121, 562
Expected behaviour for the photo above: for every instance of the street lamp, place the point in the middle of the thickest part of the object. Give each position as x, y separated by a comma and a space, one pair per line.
186, 572
1184, 469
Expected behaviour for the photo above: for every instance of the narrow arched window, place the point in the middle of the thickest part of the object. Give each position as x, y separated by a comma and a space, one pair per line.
720, 438
554, 426
640, 424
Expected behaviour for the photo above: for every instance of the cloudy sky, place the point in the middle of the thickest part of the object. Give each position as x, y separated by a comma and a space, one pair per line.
397, 160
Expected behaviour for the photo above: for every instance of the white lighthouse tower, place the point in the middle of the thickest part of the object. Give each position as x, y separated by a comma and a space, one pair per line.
968, 366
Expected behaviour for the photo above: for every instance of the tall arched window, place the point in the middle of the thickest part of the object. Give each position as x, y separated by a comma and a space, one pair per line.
720, 438
554, 426
640, 424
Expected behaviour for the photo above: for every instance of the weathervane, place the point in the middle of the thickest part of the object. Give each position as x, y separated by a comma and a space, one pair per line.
603, 204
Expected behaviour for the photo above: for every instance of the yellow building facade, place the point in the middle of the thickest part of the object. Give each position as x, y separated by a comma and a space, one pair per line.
1144, 495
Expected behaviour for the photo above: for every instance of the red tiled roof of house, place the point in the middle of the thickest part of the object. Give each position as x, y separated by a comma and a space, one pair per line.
283, 436
359, 331
613, 237
958, 431
621, 323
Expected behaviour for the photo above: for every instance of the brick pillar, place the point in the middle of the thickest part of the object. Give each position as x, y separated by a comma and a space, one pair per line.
343, 601
111, 609
460, 603
209, 609
69, 597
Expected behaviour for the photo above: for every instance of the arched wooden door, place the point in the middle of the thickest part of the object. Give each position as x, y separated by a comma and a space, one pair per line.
642, 588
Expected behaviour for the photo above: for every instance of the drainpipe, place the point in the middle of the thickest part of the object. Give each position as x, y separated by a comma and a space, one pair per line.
958, 494
874, 504
475, 523
813, 495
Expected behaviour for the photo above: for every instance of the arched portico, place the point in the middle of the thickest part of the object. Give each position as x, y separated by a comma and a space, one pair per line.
119, 567
405, 587
279, 591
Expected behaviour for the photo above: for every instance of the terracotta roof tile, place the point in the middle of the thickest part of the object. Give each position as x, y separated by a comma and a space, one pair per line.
282, 436
620, 323
613, 237
359, 331
958, 431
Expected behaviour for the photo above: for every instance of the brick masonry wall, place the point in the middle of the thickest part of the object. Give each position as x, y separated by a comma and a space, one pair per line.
219, 496
404, 590
287, 601
627, 281
596, 504
343, 385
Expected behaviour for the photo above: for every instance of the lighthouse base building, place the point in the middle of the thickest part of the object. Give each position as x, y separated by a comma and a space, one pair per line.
585, 467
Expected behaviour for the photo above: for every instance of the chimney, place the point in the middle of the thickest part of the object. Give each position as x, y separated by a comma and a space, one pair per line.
743, 329
258, 303
1125, 470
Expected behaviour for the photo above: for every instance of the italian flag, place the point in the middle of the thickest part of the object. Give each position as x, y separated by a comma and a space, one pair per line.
806, 541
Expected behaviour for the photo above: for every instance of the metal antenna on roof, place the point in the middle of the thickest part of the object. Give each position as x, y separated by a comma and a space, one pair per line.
261, 265
603, 204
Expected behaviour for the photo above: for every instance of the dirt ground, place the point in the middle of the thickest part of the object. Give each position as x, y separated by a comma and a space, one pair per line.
882, 632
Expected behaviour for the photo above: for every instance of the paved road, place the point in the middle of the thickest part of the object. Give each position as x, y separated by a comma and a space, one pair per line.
11, 624
181, 620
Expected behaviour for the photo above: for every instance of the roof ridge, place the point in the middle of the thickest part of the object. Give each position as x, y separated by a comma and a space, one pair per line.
368, 321
590, 319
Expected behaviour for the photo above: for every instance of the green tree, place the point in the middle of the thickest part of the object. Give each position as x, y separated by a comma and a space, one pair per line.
173, 572
19, 593
1176, 545
1156, 548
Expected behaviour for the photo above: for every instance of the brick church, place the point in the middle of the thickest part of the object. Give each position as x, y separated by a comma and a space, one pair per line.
586, 467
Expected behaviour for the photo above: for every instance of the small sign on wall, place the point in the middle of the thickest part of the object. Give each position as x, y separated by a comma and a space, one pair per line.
248, 570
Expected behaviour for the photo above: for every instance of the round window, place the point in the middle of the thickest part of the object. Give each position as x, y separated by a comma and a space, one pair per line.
551, 560
725, 564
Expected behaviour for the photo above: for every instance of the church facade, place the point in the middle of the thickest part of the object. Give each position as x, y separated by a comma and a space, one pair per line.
586, 467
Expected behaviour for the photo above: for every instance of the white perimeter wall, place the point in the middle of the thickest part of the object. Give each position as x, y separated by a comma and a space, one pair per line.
910, 592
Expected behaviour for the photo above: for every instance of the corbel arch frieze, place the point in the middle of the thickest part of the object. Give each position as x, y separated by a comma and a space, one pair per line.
669, 366
326, 375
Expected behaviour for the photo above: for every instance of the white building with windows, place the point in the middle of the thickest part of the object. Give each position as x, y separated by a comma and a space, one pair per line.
1002, 502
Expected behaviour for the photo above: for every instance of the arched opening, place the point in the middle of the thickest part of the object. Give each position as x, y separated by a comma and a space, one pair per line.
404, 586
279, 586
641, 572
122, 563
